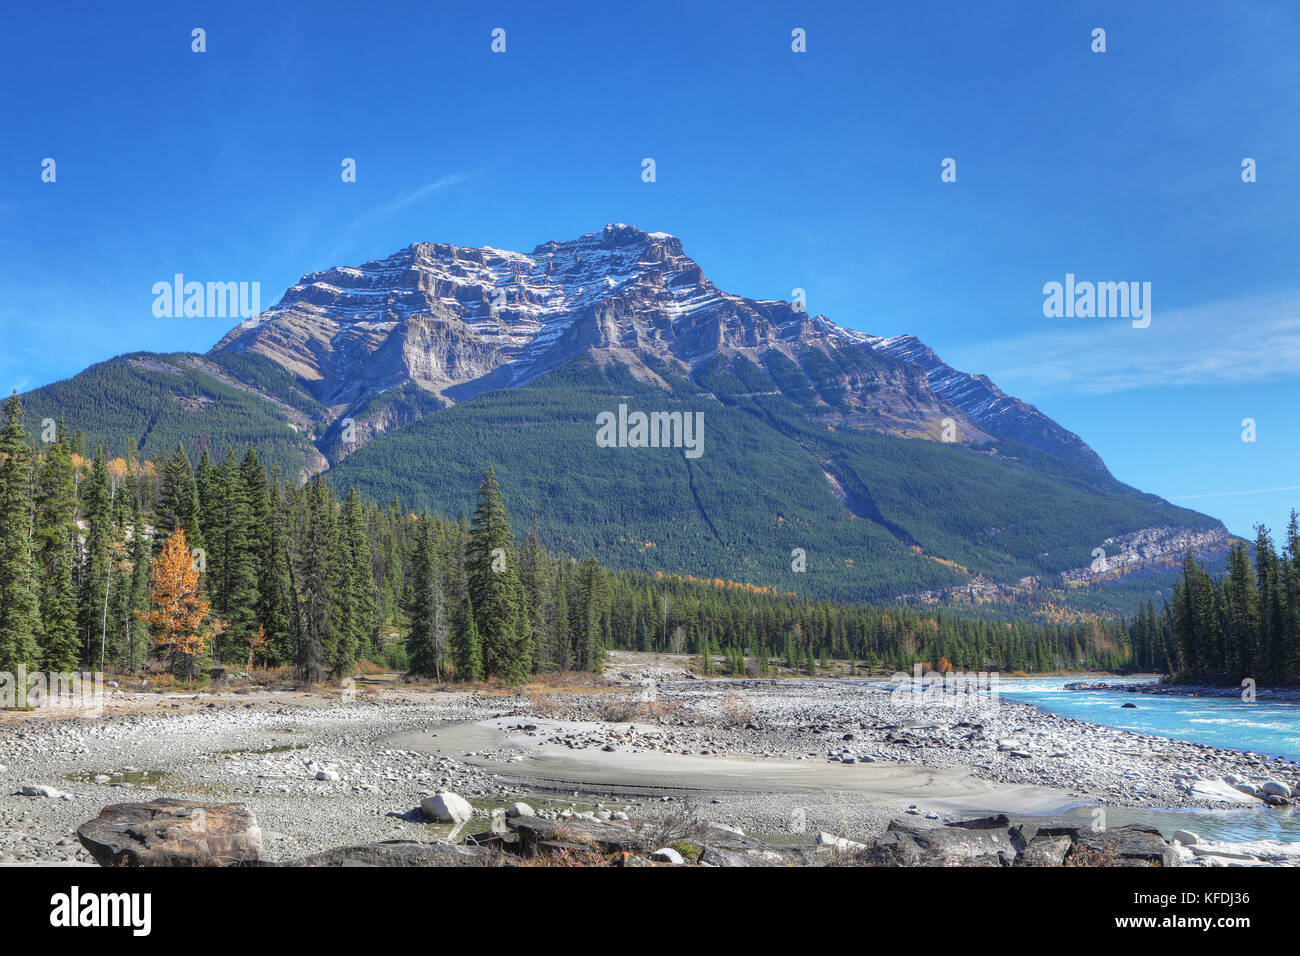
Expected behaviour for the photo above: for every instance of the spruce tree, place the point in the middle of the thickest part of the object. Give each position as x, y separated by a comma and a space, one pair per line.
494, 589
178, 506
19, 617
56, 555
316, 644
275, 609
97, 577
467, 649
427, 641
237, 587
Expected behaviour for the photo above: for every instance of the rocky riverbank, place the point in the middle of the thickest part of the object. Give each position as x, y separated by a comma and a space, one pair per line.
780, 759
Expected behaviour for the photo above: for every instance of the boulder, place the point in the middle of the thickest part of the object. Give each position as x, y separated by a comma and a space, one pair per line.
1131, 845
951, 846
168, 832
993, 841
1186, 837
733, 857
1045, 851
837, 842
446, 807
1275, 788
39, 790
397, 853
330, 776
667, 854
523, 810
538, 835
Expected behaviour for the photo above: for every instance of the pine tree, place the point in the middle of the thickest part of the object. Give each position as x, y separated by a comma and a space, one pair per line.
1272, 613
56, 555
494, 589
592, 609
315, 644
18, 594
467, 652
178, 506
558, 622
97, 578
358, 578
427, 641
139, 590
275, 609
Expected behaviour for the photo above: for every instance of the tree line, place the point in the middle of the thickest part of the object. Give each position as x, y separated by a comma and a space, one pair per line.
118, 562
1243, 624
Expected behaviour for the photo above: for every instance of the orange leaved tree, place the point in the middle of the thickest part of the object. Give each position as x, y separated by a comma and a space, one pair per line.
177, 613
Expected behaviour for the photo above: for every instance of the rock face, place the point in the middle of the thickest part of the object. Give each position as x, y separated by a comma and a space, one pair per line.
455, 321
446, 808
170, 832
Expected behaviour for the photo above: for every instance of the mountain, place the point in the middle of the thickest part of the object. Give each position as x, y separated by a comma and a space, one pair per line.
891, 472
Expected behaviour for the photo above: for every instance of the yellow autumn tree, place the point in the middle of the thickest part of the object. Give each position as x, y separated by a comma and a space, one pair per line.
256, 644
177, 612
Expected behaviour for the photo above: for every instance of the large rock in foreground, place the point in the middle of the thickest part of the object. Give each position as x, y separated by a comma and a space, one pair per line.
169, 832
446, 807
994, 841
396, 853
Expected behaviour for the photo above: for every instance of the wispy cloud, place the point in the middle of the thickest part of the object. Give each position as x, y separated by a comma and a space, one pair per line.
397, 203
1246, 340
1229, 494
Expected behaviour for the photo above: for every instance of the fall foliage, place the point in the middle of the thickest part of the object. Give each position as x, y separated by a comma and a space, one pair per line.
178, 611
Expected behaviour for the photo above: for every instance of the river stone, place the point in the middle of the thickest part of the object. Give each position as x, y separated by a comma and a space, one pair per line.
38, 790
520, 810
169, 832
1275, 788
838, 842
446, 808
667, 855
1186, 837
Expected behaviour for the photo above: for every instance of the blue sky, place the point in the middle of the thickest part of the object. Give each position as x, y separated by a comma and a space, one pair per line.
778, 170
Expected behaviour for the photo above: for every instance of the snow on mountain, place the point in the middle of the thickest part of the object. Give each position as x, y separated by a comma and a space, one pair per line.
457, 321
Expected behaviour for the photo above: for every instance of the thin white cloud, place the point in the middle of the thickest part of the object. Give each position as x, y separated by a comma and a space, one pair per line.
384, 210
401, 202
1228, 494
1247, 340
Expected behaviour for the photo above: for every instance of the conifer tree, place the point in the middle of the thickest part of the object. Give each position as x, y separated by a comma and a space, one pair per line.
275, 610
97, 577
178, 506
315, 645
18, 593
427, 641
238, 587
56, 554
467, 650
494, 589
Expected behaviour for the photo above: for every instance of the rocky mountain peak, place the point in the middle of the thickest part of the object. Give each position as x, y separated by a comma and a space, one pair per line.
456, 321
